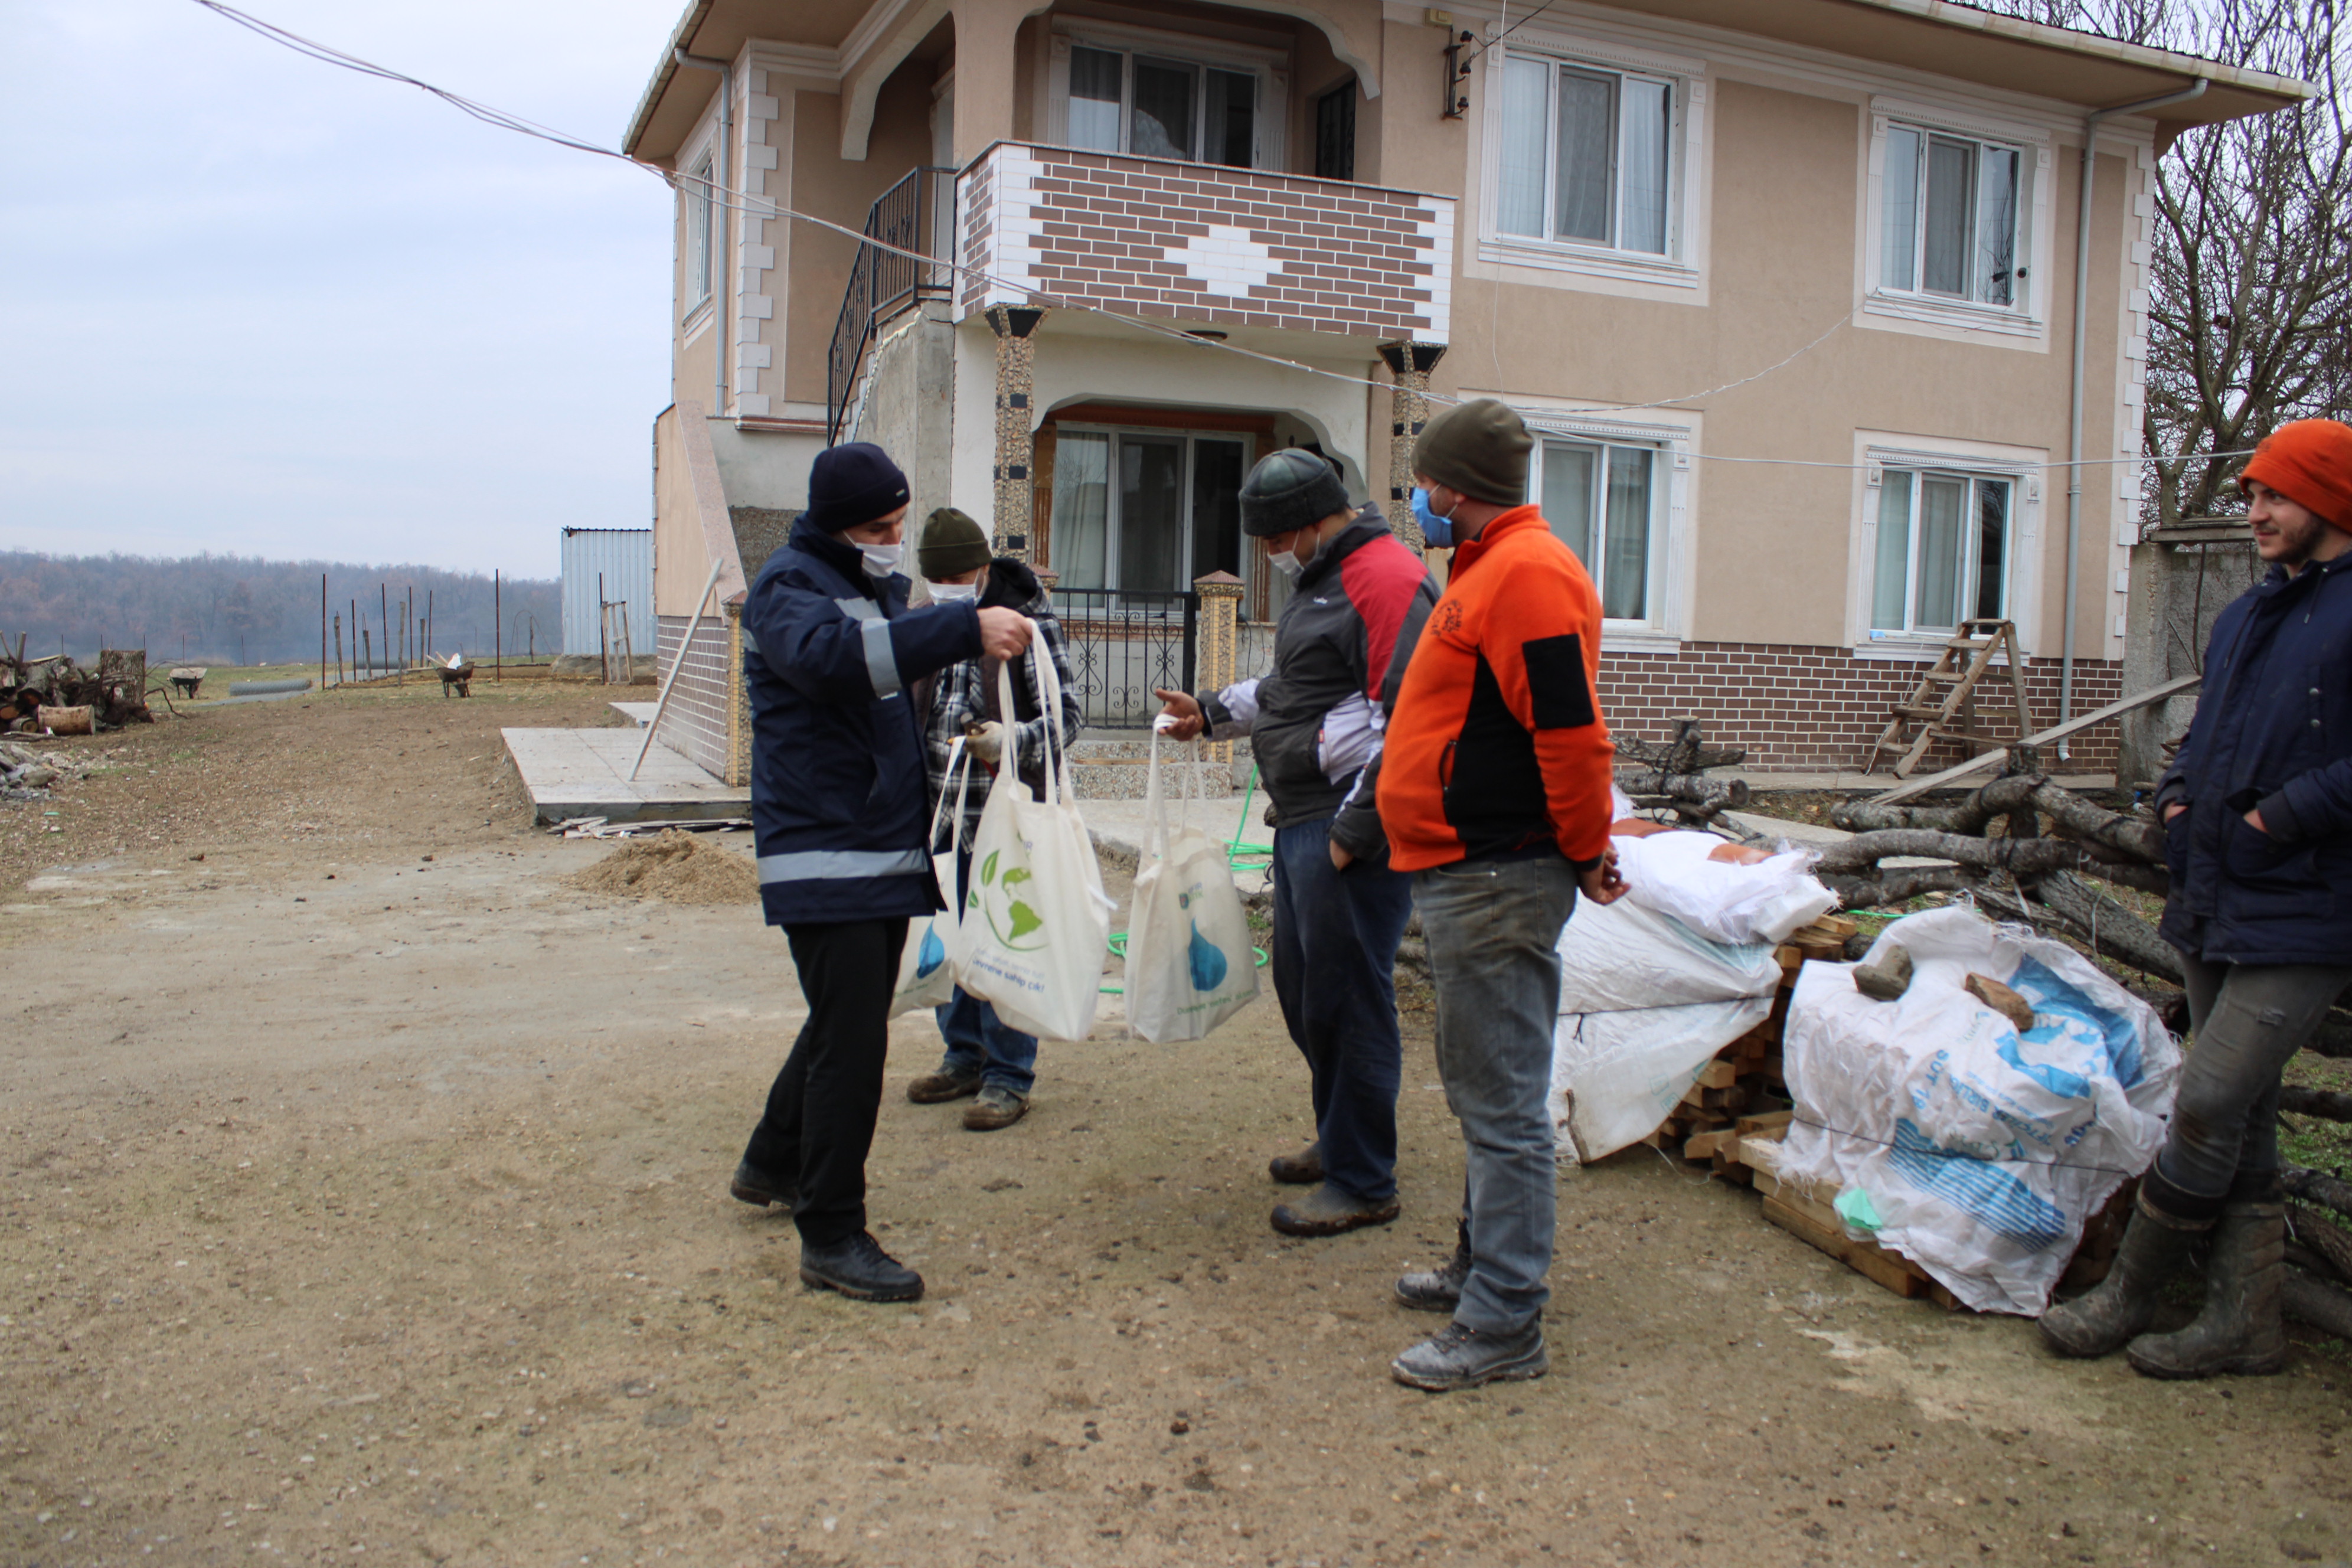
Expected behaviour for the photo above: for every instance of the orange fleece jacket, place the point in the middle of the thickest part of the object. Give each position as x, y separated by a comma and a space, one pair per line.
1497, 743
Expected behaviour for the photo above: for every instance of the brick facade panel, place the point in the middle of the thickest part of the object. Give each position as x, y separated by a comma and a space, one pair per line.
1805, 709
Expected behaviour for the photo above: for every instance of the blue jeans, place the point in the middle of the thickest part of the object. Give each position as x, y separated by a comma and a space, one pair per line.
978, 1041
1335, 942
1493, 928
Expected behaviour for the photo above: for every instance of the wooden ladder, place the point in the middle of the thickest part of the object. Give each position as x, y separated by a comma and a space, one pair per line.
1947, 692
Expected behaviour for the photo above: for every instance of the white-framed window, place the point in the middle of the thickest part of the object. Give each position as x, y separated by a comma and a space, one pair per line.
1602, 500
700, 213
1585, 157
1144, 511
1120, 90
1943, 550
1951, 222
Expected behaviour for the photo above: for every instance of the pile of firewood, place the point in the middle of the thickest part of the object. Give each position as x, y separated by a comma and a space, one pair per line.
1672, 777
55, 694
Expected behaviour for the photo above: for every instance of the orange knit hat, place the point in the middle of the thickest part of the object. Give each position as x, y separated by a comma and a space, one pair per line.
2310, 463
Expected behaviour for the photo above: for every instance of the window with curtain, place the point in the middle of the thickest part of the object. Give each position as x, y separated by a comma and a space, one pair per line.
1146, 511
1942, 550
1950, 223
1598, 499
1123, 100
1335, 133
1586, 155
699, 211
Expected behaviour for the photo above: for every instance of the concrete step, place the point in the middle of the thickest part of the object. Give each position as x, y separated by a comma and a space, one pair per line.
1126, 778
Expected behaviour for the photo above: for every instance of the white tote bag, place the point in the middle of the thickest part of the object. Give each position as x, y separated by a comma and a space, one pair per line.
1189, 961
926, 968
1036, 923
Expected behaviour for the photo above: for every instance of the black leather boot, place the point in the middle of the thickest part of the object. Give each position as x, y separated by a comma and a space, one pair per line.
2116, 1312
2242, 1333
860, 1270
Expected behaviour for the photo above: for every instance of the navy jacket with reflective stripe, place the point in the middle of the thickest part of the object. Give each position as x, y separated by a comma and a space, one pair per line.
839, 803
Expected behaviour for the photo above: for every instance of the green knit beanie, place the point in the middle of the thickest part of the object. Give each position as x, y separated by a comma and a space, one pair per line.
952, 543
1480, 449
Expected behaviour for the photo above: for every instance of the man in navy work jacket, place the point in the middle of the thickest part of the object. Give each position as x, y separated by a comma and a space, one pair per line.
2257, 814
839, 803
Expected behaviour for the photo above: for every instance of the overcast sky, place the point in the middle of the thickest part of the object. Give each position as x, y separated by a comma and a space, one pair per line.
251, 303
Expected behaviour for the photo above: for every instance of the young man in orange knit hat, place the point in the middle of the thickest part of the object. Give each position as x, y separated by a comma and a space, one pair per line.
1493, 788
2257, 814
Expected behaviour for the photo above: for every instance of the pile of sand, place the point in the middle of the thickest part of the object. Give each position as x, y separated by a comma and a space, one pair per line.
683, 868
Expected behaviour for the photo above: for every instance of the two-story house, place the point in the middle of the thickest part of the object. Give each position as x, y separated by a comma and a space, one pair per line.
1800, 296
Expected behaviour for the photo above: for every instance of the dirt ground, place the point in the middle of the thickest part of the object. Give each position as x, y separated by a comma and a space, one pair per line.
365, 1197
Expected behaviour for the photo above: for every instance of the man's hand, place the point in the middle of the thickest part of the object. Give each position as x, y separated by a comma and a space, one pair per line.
1339, 855
1185, 710
2254, 821
2174, 809
1603, 884
1003, 634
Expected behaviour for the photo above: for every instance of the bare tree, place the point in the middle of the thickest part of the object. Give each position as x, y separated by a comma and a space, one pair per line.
2251, 274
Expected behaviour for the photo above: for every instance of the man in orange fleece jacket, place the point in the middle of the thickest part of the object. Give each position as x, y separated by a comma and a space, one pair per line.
1494, 789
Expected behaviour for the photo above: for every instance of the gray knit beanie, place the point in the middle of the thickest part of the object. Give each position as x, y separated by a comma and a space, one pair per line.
1292, 489
1480, 449
951, 543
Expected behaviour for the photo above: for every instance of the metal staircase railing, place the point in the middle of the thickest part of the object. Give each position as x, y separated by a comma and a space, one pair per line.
912, 215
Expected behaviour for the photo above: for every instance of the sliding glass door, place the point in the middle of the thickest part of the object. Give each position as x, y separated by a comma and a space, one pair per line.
1145, 511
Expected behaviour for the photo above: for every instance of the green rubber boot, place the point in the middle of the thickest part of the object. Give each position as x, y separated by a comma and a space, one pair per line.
2242, 1333
2116, 1311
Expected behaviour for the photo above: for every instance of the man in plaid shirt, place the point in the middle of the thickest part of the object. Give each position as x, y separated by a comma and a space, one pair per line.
986, 1061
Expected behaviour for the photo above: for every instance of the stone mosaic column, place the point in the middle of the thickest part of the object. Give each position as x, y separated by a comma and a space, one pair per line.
1015, 371
738, 703
1216, 644
1410, 364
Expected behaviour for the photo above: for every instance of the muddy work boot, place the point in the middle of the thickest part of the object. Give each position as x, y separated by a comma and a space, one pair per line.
939, 1088
2116, 1311
1303, 1169
1328, 1211
1458, 1356
2241, 1331
755, 1187
997, 1107
860, 1270
1437, 1289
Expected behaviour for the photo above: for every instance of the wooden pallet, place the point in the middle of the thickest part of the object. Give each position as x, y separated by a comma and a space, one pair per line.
1944, 703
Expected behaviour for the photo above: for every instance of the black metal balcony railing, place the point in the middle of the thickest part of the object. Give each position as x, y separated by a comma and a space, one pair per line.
912, 215
1122, 644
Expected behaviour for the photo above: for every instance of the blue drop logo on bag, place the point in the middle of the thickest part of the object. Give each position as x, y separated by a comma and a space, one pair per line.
1208, 962
933, 954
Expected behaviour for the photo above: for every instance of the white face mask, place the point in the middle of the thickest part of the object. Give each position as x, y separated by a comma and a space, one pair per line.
881, 559
953, 592
1289, 565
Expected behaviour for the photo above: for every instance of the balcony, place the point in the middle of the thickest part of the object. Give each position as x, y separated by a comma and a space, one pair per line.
1203, 245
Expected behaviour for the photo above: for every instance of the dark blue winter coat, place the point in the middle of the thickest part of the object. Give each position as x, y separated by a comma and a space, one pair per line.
2272, 733
839, 803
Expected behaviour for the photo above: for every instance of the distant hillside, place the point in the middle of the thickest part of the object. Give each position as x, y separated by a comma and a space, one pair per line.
231, 609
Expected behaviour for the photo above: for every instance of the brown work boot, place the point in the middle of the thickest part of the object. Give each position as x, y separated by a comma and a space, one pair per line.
2242, 1333
1303, 1169
1328, 1211
997, 1107
939, 1088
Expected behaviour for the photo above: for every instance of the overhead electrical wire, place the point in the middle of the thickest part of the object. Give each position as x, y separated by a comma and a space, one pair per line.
776, 212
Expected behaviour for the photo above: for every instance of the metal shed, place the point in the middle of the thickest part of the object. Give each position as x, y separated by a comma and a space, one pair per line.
625, 559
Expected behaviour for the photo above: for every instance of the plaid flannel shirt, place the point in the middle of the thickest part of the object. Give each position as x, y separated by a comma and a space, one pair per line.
964, 694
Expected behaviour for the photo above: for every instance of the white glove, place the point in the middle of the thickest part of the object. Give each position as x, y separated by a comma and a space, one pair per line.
986, 742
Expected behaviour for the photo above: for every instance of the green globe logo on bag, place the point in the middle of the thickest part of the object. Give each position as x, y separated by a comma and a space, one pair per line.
1000, 902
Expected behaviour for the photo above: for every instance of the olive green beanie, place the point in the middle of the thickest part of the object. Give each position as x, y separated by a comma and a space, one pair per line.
952, 543
1480, 449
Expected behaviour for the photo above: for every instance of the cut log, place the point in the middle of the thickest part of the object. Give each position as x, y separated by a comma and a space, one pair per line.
2323, 1307
2323, 1236
66, 720
2317, 1187
2332, 1105
2000, 999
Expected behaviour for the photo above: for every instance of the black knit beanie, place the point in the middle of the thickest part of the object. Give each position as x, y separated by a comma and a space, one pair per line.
951, 543
1480, 449
1290, 490
852, 484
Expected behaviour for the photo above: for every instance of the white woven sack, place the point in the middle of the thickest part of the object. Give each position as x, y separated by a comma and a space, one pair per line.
1190, 963
1036, 923
926, 965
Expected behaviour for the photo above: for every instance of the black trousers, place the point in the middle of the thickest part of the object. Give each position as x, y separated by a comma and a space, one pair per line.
819, 1123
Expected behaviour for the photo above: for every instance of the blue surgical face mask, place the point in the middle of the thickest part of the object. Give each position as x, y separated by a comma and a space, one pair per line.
1438, 530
